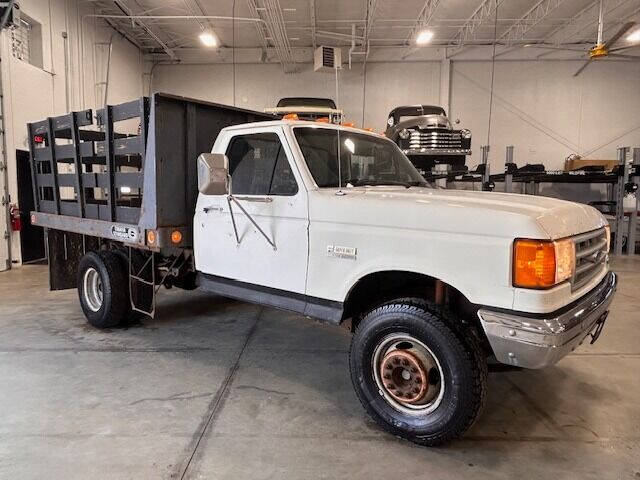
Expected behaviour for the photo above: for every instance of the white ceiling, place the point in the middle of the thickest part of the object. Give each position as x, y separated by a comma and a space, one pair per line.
287, 28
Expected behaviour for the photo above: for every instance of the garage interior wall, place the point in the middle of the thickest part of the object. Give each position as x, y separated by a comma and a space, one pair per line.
538, 106
32, 93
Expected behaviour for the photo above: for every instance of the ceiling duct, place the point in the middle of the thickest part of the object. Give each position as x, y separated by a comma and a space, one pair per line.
274, 30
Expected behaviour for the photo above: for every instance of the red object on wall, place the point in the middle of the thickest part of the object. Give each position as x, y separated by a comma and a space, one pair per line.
14, 214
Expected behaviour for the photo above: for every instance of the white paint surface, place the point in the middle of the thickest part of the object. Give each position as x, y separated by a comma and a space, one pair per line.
464, 238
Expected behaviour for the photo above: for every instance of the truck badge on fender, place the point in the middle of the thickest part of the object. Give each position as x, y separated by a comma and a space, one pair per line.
341, 252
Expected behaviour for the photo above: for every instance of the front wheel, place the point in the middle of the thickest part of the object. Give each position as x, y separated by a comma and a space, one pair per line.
415, 375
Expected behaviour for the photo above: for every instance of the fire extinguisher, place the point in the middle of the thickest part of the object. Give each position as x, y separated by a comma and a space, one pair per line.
14, 215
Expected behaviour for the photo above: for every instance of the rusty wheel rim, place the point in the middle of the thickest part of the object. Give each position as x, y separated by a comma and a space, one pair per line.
408, 374
404, 376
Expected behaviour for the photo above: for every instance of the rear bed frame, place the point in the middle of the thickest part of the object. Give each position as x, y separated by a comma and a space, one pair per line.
119, 185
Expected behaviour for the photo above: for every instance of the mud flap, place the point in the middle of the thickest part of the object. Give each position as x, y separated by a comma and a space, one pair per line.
65, 249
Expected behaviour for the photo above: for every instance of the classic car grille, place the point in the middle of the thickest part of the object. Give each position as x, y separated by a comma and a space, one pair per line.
418, 139
591, 255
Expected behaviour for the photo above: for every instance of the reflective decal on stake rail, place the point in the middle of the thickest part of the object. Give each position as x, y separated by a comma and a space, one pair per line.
123, 232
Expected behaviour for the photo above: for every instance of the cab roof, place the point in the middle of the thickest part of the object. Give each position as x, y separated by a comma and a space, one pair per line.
415, 110
301, 123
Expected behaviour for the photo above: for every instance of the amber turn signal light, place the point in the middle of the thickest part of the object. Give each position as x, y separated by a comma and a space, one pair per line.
542, 263
290, 116
176, 236
151, 237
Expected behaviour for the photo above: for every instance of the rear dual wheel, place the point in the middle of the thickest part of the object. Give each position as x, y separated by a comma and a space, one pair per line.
415, 374
103, 288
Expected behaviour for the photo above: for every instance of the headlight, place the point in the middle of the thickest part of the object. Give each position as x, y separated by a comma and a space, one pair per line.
404, 134
465, 133
542, 263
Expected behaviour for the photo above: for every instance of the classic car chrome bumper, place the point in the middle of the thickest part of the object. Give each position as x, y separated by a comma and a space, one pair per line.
536, 341
437, 151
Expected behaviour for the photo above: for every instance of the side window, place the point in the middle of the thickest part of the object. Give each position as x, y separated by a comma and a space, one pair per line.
258, 166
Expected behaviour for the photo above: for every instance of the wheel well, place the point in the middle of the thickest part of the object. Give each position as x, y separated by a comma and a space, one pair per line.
380, 287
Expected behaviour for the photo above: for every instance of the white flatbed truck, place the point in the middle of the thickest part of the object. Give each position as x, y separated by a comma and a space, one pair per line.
333, 223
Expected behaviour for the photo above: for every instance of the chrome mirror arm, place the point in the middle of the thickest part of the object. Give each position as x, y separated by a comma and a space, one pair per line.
231, 198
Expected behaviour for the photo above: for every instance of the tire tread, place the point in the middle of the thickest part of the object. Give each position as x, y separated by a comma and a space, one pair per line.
462, 339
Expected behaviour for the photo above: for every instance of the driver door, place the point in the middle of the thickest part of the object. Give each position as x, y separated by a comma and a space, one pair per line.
266, 183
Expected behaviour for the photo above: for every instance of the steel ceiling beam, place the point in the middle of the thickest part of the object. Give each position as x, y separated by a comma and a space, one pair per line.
270, 12
191, 10
519, 29
581, 20
127, 10
312, 12
372, 5
424, 19
469, 30
260, 29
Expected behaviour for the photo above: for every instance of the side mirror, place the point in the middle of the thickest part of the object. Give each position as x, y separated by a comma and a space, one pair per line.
213, 174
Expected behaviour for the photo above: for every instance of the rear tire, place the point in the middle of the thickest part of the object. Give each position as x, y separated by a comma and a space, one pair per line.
416, 339
103, 289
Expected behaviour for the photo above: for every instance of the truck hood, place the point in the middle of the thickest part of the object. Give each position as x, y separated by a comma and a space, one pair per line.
456, 211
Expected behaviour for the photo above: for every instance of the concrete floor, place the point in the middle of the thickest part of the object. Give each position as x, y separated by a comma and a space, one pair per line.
214, 388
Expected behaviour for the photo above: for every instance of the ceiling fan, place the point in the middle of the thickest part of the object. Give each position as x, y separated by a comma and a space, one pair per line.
601, 49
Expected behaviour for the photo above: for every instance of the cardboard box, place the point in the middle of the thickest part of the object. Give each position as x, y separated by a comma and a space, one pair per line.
576, 164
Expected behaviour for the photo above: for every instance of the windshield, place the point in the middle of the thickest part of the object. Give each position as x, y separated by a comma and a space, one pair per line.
364, 159
438, 121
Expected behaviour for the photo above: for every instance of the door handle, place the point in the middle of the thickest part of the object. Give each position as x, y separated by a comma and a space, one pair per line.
211, 208
254, 199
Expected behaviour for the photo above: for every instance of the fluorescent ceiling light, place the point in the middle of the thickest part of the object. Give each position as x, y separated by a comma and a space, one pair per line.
424, 37
634, 36
208, 39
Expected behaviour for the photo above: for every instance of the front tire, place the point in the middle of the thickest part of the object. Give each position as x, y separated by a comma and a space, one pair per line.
417, 376
102, 288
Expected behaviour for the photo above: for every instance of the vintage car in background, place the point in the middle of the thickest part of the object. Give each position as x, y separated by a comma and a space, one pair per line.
425, 135
308, 108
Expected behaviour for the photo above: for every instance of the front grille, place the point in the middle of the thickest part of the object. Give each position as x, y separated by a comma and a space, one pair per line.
591, 256
431, 139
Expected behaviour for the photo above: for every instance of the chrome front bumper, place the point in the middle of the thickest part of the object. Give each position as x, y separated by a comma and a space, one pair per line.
437, 151
537, 341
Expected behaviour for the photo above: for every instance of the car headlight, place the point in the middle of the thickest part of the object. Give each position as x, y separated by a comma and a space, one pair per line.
542, 263
404, 134
465, 133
